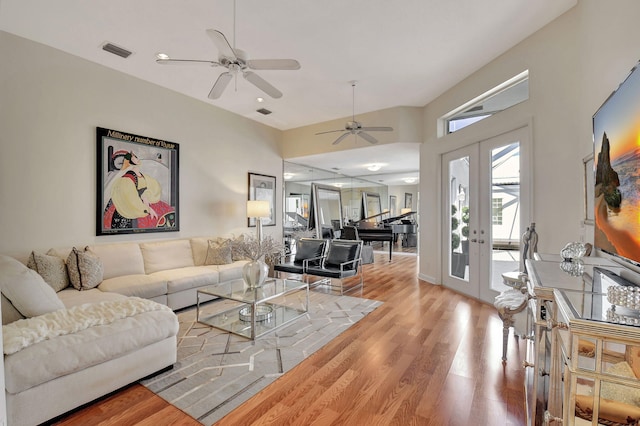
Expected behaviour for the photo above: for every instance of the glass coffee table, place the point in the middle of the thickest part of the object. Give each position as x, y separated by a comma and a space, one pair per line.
258, 311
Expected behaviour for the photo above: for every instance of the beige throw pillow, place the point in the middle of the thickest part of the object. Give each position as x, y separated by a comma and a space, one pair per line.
51, 268
85, 269
26, 290
218, 252
236, 253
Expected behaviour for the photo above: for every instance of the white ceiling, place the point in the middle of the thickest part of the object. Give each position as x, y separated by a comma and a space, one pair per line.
398, 161
402, 53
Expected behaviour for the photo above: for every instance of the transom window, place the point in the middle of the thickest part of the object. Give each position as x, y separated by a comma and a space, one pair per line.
501, 97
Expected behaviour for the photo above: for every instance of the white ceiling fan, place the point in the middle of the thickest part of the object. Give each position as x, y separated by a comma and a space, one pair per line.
236, 61
354, 127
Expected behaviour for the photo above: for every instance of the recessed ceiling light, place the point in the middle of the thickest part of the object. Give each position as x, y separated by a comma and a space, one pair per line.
162, 56
409, 179
338, 185
260, 100
288, 175
374, 167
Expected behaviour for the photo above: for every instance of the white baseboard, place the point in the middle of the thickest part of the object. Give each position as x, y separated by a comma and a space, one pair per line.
428, 279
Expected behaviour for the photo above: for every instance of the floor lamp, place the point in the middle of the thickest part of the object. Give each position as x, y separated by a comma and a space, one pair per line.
258, 209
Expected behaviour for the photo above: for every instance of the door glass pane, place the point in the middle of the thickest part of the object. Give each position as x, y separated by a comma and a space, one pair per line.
459, 223
505, 212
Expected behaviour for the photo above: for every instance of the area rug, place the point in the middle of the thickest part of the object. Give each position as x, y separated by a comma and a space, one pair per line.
217, 371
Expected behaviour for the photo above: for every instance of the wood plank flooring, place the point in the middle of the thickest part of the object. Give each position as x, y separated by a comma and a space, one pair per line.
428, 356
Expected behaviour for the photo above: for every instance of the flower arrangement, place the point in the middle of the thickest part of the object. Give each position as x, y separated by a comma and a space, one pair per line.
268, 250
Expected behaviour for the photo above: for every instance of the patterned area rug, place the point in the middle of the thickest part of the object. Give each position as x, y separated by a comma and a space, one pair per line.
217, 371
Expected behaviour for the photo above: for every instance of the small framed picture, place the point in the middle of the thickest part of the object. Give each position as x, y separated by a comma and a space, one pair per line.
263, 188
393, 208
408, 200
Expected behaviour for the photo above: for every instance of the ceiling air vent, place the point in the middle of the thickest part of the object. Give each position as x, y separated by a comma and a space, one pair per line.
264, 111
112, 48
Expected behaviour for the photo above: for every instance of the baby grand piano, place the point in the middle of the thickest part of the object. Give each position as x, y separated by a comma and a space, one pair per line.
386, 229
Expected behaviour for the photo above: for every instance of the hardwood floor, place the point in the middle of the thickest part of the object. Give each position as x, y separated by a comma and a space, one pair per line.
427, 356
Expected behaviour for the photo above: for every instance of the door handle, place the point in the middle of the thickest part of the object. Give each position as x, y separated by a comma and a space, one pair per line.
481, 241
474, 240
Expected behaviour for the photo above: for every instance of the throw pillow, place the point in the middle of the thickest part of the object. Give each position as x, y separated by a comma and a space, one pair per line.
236, 253
51, 268
85, 269
219, 252
9, 312
26, 290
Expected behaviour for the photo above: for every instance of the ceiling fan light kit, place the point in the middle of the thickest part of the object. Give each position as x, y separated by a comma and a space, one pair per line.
354, 127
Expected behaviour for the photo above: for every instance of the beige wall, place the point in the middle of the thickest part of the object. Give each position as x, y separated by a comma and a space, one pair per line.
574, 63
50, 105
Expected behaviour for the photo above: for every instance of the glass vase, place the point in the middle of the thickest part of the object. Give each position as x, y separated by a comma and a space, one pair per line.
254, 273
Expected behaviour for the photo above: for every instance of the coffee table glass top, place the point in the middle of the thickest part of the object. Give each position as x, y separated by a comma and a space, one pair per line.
254, 312
236, 290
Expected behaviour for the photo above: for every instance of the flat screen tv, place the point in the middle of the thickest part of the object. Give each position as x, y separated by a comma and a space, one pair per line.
616, 137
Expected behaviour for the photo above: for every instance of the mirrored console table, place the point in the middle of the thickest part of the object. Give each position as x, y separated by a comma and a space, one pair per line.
560, 295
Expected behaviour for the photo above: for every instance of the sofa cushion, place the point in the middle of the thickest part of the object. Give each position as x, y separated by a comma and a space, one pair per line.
9, 312
186, 278
61, 252
218, 252
72, 297
199, 246
85, 269
69, 353
145, 286
51, 268
230, 272
25, 289
119, 259
162, 255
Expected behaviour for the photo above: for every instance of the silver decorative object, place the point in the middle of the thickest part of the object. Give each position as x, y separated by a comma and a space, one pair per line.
625, 296
254, 273
573, 251
263, 313
574, 268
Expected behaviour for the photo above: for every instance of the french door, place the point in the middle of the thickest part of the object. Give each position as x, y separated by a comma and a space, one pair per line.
485, 211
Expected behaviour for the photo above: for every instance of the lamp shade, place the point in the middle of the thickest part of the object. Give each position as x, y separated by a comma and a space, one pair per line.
405, 210
257, 208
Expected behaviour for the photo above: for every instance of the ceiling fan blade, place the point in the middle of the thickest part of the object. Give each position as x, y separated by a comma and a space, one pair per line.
221, 42
262, 84
337, 141
377, 129
221, 83
367, 137
330, 131
186, 62
273, 64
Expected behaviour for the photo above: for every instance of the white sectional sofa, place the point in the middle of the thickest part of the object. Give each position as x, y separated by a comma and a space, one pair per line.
168, 272
64, 347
